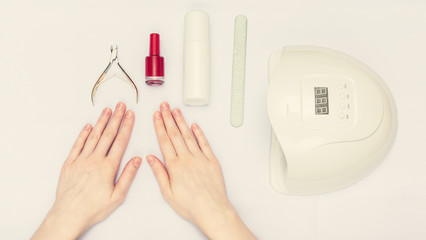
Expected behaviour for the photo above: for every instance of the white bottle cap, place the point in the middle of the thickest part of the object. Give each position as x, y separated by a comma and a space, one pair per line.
196, 60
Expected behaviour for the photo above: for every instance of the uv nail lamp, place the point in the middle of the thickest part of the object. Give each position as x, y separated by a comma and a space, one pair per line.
333, 120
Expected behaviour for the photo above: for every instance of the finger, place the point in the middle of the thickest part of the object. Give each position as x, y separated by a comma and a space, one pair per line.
187, 134
126, 178
202, 142
172, 130
166, 145
122, 140
96, 133
111, 129
79, 143
161, 175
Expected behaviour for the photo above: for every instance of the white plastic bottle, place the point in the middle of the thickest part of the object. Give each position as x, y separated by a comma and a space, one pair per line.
196, 59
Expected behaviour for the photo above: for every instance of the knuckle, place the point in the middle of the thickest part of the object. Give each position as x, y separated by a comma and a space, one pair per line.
186, 155
119, 143
120, 197
128, 119
94, 136
188, 136
127, 123
81, 138
205, 145
174, 133
171, 159
158, 123
108, 134
126, 127
77, 146
169, 165
159, 120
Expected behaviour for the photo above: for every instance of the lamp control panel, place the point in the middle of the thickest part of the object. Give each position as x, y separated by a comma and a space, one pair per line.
328, 102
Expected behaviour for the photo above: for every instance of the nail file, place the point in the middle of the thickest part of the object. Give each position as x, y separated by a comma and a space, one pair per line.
238, 71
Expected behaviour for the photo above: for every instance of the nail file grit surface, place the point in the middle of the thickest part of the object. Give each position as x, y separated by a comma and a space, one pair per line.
239, 71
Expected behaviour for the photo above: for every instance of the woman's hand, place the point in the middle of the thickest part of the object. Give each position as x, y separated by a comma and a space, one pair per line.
86, 192
191, 180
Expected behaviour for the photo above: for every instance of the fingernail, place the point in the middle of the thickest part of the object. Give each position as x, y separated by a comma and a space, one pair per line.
105, 111
87, 127
177, 112
129, 114
150, 160
157, 115
137, 162
120, 106
196, 126
165, 106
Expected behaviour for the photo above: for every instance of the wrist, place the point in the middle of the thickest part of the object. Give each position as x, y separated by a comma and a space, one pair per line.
226, 224
59, 225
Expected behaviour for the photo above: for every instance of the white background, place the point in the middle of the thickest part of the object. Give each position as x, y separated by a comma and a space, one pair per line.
52, 52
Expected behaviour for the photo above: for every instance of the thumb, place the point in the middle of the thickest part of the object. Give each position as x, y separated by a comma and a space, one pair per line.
161, 175
126, 178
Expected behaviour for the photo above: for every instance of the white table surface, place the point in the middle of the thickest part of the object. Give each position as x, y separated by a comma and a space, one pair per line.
52, 52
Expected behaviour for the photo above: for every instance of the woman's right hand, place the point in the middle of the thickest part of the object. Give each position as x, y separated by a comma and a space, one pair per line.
191, 180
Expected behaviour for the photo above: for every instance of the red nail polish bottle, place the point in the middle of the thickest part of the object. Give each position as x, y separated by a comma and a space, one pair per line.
154, 63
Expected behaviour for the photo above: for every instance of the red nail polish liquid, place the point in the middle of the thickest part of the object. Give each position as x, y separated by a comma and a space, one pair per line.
154, 63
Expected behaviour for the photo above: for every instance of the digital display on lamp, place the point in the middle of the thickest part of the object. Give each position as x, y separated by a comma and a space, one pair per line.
321, 100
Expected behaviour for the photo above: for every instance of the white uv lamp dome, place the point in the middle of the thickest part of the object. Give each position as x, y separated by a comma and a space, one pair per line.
333, 120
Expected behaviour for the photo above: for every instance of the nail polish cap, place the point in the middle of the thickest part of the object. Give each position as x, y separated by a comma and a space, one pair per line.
154, 44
